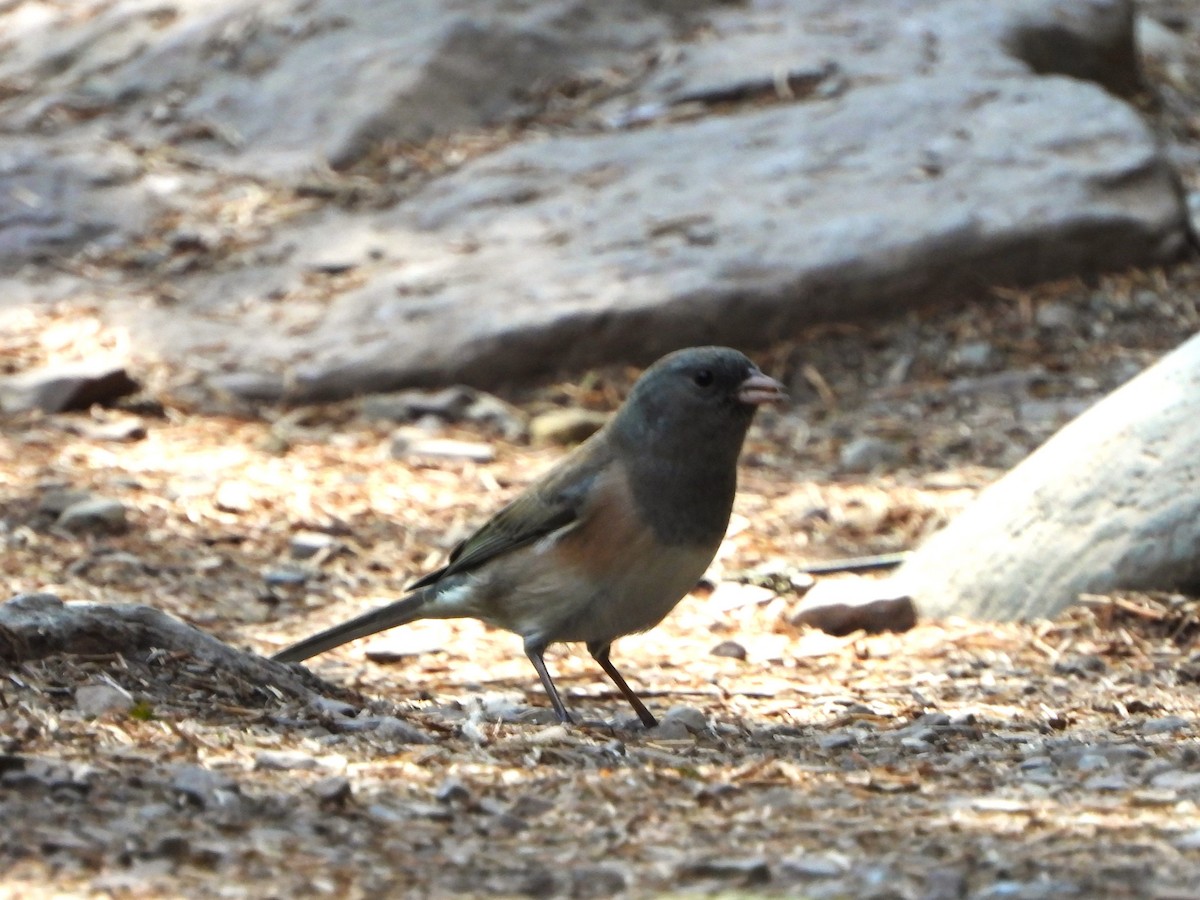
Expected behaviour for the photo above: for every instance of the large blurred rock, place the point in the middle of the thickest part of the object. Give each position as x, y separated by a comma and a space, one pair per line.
601, 180
1112, 501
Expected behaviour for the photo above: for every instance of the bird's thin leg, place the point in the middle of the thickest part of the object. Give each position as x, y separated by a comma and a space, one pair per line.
534, 652
600, 654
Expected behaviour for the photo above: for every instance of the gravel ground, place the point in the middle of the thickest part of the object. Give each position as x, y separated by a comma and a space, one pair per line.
960, 759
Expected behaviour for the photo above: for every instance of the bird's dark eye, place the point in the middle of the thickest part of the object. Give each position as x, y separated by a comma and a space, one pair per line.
703, 378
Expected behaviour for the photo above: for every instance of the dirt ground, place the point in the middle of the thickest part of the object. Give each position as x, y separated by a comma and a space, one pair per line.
960, 759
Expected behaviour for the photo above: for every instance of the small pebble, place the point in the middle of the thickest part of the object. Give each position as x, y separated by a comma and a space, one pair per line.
729, 595
96, 513
285, 577
1189, 841
332, 790
1176, 780
233, 497
839, 740
55, 500
450, 790
284, 760
815, 866
751, 870
202, 786
306, 544
1107, 782
1037, 762
95, 700
552, 734
407, 446
1056, 315
402, 406
332, 707
691, 718
387, 728
731, 649
1091, 762
1164, 725
118, 431
565, 426
975, 355
673, 730
598, 881
866, 454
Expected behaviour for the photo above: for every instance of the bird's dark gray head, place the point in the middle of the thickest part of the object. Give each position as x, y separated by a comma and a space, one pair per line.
683, 426
698, 393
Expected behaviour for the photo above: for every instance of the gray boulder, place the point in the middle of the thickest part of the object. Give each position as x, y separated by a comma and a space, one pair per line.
314, 200
1111, 502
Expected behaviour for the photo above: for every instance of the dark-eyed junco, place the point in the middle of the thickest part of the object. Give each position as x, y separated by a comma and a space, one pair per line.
611, 538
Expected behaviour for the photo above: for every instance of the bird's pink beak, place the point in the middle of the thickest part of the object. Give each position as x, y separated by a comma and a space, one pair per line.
759, 389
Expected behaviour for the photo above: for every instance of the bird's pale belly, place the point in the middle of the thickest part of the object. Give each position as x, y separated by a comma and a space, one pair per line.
562, 606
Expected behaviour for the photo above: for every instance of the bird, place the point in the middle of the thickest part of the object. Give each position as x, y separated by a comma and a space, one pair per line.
612, 537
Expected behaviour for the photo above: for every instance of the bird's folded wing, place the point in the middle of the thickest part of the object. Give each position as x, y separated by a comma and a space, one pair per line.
556, 502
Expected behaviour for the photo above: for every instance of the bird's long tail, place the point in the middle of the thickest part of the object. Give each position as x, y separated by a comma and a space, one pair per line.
399, 613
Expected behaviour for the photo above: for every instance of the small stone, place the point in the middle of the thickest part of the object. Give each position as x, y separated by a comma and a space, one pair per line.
530, 806
406, 445
729, 595
749, 871
233, 497
839, 740
449, 403
814, 866
1107, 782
94, 514
614, 748
1164, 47
1164, 725
552, 734
842, 605
285, 577
306, 544
730, 649
330, 706
284, 761
63, 387
490, 410
391, 728
1056, 316
1084, 665
333, 790
975, 356
670, 731
1036, 762
203, 787
866, 454
1188, 841
450, 790
565, 426
598, 881
54, 501
121, 431
920, 740
691, 718
927, 722
1176, 780
385, 814
95, 700
1091, 762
